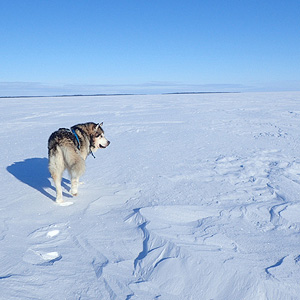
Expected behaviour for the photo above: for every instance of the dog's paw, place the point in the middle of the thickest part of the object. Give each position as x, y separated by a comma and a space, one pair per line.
74, 190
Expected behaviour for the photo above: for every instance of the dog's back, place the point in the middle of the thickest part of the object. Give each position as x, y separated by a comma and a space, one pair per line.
62, 137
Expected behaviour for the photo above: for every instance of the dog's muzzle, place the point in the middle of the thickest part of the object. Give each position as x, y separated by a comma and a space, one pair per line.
101, 146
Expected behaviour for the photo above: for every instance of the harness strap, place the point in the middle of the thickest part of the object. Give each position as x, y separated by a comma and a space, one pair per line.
73, 131
76, 136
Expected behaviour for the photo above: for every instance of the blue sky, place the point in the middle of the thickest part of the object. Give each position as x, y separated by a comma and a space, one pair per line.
53, 47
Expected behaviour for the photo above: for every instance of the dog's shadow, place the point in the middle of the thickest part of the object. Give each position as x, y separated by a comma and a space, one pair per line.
34, 172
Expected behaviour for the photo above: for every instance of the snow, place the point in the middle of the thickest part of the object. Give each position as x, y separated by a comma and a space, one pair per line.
197, 197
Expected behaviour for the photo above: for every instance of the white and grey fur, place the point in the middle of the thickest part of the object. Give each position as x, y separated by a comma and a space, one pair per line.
69, 150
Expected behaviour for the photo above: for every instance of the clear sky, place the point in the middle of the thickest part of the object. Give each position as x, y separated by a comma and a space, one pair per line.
94, 46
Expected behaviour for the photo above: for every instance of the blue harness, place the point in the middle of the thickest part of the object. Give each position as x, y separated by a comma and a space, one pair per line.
73, 131
77, 138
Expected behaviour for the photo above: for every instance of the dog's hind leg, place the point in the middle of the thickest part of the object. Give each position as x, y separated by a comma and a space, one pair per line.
57, 181
56, 168
74, 186
76, 169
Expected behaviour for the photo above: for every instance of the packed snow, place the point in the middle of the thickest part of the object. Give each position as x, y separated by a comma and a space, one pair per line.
197, 197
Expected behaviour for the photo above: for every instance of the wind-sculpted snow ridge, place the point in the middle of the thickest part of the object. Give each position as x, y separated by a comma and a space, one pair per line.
224, 245
197, 197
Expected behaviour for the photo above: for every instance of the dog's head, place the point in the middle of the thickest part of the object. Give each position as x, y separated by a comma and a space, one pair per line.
98, 138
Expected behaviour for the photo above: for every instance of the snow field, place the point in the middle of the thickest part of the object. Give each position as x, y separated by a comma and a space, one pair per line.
197, 197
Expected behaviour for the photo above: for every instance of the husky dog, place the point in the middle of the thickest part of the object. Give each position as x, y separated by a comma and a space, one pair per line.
69, 148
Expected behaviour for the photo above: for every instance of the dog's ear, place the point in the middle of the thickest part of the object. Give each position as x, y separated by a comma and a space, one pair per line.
98, 125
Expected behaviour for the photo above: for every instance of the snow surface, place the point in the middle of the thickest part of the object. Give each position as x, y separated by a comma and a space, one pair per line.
197, 197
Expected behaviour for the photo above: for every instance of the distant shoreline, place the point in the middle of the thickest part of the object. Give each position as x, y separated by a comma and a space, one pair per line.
101, 95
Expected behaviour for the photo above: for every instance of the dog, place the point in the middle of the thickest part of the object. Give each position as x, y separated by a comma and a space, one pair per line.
69, 148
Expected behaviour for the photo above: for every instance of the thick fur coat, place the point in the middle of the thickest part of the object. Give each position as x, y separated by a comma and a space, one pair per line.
69, 148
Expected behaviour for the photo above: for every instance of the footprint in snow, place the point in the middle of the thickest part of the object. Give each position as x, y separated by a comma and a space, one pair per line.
41, 258
68, 203
46, 232
43, 241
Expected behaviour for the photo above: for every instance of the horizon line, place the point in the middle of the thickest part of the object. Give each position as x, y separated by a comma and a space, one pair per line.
112, 94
